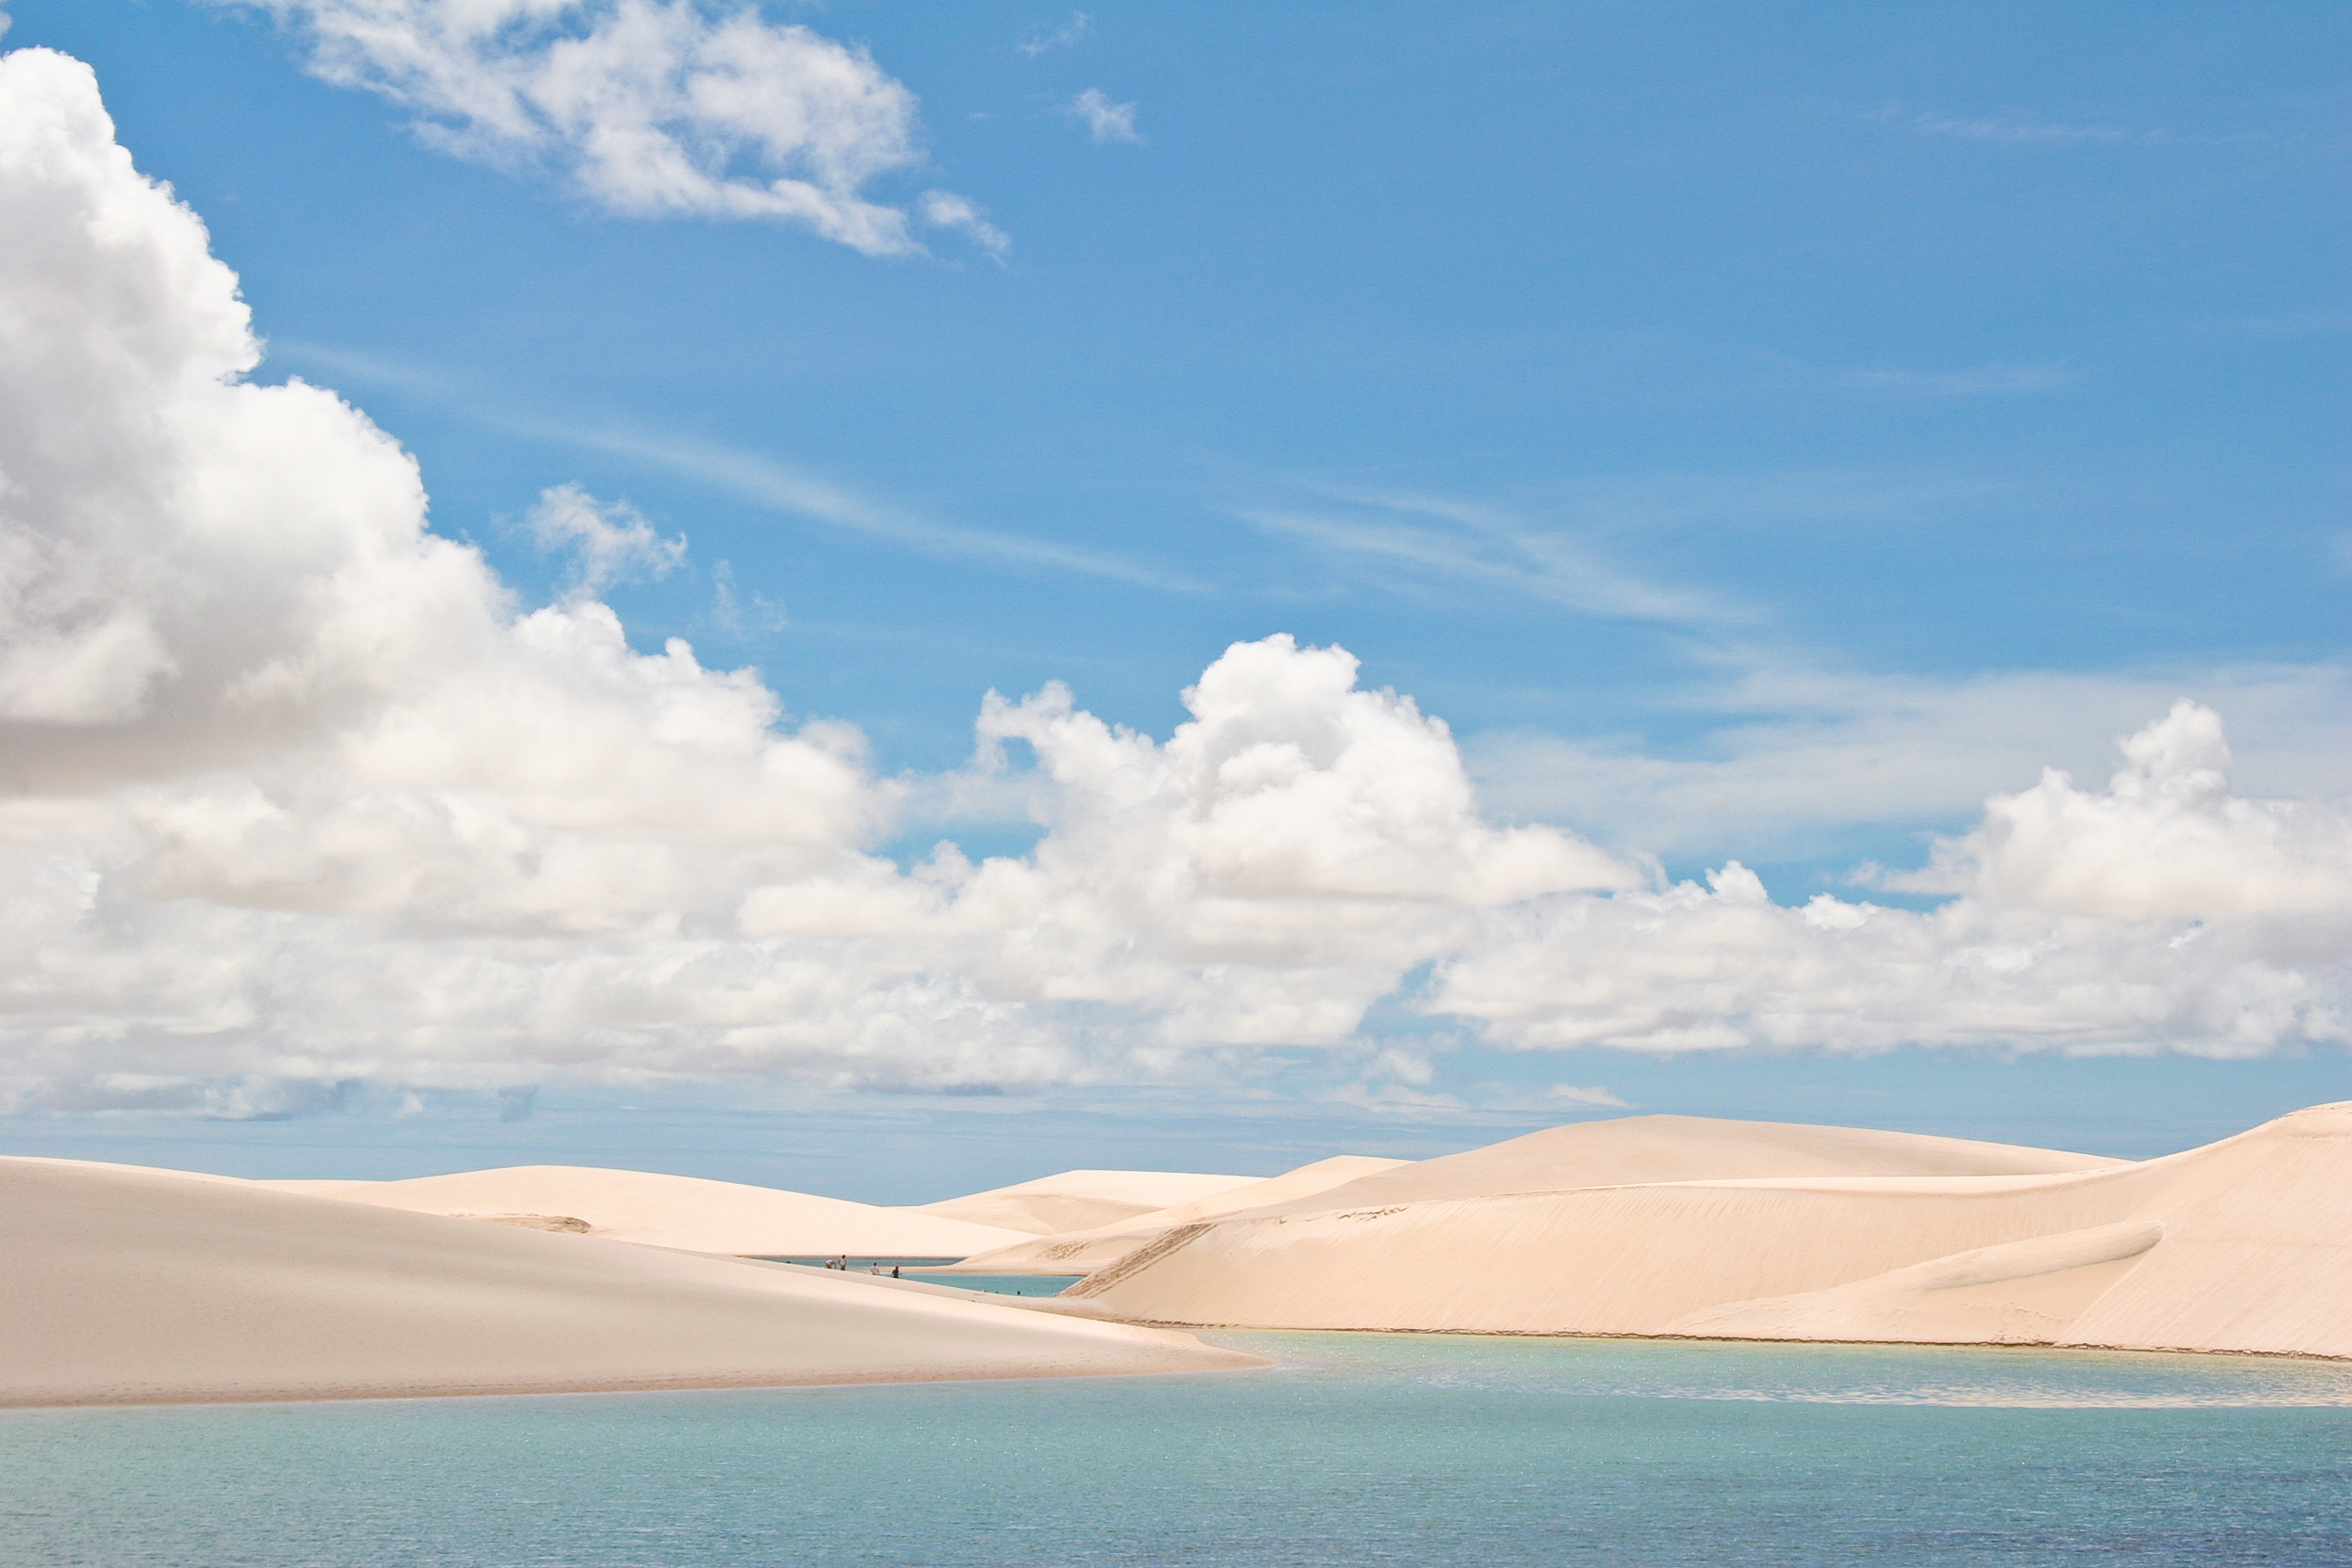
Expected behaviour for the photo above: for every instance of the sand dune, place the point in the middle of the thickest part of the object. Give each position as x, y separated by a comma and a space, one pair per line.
1083, 1252
1651, 1149
2019, 1293
669, 1211
1076, 1199
131, 1286
2245, 1245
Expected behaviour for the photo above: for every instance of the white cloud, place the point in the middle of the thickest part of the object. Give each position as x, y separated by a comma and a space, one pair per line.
298, 795
1794, 759
2161, 914
2166, 841
1078, 27
609, 540
649, 108
353, 814
945, 209
1106, 121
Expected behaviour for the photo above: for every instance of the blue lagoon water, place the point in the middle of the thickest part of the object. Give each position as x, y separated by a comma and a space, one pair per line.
1005, 1285
1354, 1449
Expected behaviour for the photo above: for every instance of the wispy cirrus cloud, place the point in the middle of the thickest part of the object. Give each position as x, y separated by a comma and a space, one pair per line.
1796, 759
2023, 127
945, 209
767, 482
1106, 121
1784, 751
1042, 40
1490, 547
1983, 381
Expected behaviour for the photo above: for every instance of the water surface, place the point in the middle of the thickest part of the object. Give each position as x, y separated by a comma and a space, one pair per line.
1005, 1285
1354, 1449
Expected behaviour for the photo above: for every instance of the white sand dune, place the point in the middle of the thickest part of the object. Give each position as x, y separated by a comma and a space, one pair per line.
669, 1211
1083, 1252
132, 1286
2019, 1293
1649, 1149
1077, 1199
2243, 1245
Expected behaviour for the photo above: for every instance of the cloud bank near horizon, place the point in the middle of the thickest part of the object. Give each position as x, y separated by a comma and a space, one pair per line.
297, 793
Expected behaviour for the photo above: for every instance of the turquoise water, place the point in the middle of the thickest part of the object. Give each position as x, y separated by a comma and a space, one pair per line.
1356, 1449
859, 1261
1005, 1285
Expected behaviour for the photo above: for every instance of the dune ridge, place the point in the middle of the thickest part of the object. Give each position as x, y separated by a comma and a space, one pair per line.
132, 1286
1628, 1151
1083, 1252
671, 1211
1077, 1199
2247, 1247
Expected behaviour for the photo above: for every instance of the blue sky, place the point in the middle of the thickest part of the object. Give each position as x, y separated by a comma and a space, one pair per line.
1757, 431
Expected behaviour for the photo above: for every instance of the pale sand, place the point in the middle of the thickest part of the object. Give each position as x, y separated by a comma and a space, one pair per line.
132, 1286
2243, 1245
669, 1211
1083, 1252
1648, 1148
1076, 1199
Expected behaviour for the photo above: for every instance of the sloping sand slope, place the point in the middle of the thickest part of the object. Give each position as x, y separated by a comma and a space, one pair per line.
1083, 1252
2254, 1253
668, 1210
1075, 1200
2019, 1293
125, 1286
1649, 1148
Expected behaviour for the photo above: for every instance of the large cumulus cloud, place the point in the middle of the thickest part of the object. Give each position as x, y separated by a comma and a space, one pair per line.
294, 792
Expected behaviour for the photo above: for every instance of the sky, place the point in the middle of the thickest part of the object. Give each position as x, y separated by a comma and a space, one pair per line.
882, 598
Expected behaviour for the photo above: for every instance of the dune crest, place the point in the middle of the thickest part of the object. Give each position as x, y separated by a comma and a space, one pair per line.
1083, 1252
1628, 1151
128, 1286
2019, 1293
670, 1210
2243, 1245
1077, 1199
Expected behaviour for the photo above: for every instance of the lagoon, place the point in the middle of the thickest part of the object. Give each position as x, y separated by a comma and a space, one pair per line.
1351, 1449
